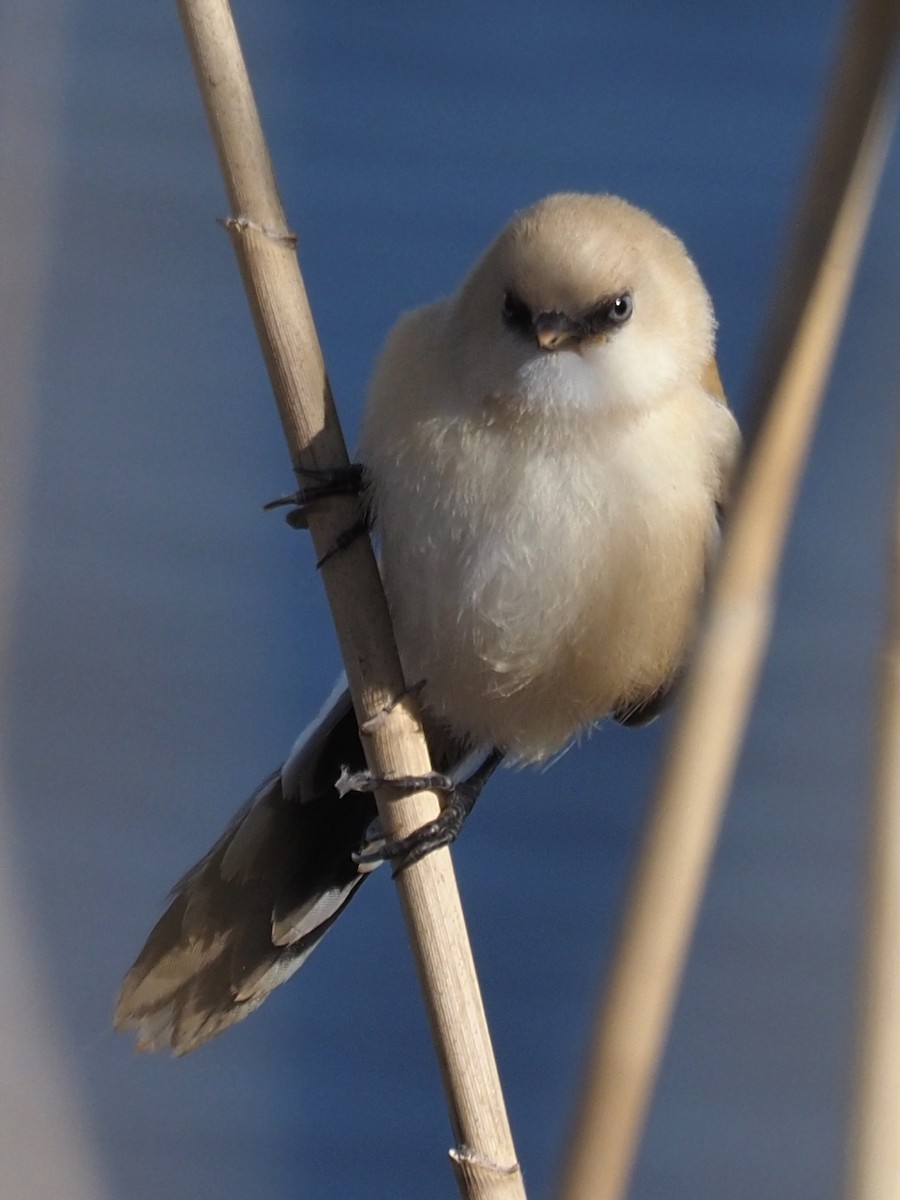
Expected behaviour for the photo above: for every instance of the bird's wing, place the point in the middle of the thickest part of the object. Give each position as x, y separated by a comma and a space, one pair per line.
711, 382
648, 709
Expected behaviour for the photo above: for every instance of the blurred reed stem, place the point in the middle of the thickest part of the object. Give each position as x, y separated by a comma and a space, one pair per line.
673, 863
873, 1168
46, 1141
484, 1158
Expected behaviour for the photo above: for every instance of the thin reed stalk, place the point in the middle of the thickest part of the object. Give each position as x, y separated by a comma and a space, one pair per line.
873, 1167
484, 1157
674, 859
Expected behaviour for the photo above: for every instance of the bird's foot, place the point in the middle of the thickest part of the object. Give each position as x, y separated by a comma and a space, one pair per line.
343, 540
337, 481
403, 852
366, 781
442, 831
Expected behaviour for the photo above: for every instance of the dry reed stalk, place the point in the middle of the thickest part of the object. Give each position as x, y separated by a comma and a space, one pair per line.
873, 1168
673, 863
484, 1157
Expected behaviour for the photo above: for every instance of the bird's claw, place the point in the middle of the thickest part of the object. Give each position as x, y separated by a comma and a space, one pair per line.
366, 781
343, 540
403, 852
336, 481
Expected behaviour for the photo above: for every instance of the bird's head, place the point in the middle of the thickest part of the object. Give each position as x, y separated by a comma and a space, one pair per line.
582, 302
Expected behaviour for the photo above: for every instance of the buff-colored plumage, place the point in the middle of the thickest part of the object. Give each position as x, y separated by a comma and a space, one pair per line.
546, 518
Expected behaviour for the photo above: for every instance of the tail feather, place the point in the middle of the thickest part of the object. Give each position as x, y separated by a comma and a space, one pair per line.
252, 910
249, 914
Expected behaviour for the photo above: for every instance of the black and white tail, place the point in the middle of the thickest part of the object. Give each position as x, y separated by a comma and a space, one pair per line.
252, 910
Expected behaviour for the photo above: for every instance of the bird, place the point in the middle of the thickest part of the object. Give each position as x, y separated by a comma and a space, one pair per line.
546, 455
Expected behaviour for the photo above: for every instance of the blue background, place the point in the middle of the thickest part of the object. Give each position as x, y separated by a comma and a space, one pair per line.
170, 638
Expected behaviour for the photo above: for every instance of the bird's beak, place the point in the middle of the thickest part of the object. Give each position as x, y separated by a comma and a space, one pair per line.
553, 330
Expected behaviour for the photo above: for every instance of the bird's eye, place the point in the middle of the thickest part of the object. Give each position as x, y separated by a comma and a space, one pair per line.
516, 314
609, 315
621, 309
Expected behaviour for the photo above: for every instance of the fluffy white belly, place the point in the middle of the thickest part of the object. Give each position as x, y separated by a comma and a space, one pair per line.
532, 599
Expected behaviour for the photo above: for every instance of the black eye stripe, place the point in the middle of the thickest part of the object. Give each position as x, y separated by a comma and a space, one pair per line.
516, 313
609, 314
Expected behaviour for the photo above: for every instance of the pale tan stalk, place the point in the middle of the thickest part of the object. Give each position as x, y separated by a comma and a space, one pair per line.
674, 859
484, 1157
873, 1168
